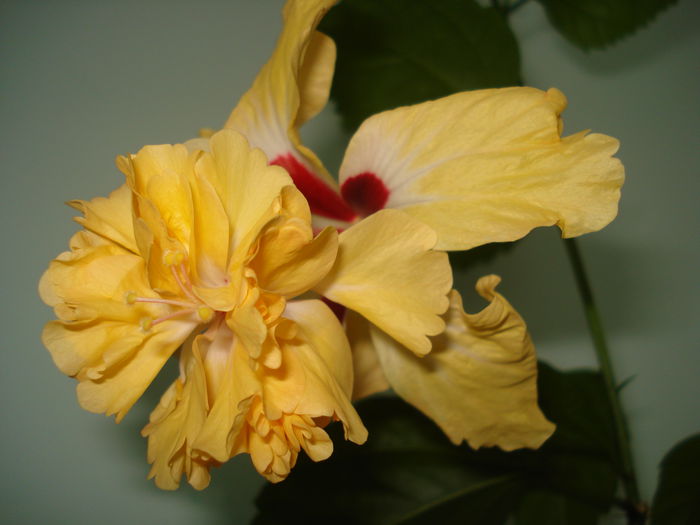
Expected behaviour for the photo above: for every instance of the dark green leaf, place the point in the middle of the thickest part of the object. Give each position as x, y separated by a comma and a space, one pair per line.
540, 507
598, 23
479, 255
409, 473
677, 499
397, 52
406, 473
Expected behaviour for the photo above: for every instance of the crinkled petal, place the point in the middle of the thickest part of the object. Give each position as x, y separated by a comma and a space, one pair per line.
99, 338
487, 166
175, 424
479, 383
387, 271
305, 385
232, 384
109, 217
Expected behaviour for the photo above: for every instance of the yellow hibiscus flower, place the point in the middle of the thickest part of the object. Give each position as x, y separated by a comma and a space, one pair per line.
477, 167
206, 250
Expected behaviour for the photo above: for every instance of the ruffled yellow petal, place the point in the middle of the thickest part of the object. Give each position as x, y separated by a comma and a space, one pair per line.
387, 271
292, 87
248, 188
479, 382
109, 217
101, 339
489, 166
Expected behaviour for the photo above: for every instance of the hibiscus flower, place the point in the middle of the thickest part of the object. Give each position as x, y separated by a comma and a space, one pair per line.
477, 167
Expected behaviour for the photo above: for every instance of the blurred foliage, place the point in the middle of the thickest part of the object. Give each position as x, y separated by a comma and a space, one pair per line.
397, 52
599, 23
408, 472
677, 499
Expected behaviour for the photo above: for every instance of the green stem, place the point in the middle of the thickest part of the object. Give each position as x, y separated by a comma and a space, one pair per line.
636, 513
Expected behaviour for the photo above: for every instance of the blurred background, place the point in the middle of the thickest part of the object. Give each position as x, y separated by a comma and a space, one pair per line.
83, 81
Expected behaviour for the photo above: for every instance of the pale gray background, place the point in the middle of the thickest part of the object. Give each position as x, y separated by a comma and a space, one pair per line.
83, 81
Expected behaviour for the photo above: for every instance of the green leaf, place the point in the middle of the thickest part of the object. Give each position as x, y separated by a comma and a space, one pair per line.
598, 23
406, 473
409, 473
397, 52
540, 507
677, 499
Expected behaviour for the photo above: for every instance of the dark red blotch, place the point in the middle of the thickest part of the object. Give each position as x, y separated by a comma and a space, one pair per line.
365, 193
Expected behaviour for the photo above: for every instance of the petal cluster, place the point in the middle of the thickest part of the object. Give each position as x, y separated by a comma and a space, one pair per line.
204, 250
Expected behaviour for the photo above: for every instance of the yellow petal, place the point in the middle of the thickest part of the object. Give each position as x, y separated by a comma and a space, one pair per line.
160, 174
210, 235
369, 376
99, 337
248, 188
232, 385
291, 87
315, 77
109, 217
387, 271
305, 385
487, 166
479, 383
289, 263
322, 330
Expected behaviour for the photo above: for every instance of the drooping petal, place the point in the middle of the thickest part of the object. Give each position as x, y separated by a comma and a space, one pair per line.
291, 88
479, 382
485, 166
387, 271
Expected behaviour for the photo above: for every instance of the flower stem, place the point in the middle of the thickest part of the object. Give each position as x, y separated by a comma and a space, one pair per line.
636, 510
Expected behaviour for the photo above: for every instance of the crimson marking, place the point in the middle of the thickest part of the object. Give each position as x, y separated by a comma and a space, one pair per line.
323, 200
365, 193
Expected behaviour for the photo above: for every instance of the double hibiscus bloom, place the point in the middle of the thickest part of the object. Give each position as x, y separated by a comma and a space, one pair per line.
229, 248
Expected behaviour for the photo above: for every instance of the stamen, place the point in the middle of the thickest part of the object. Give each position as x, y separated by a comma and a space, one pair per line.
147, 323
130, 297
185, 290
